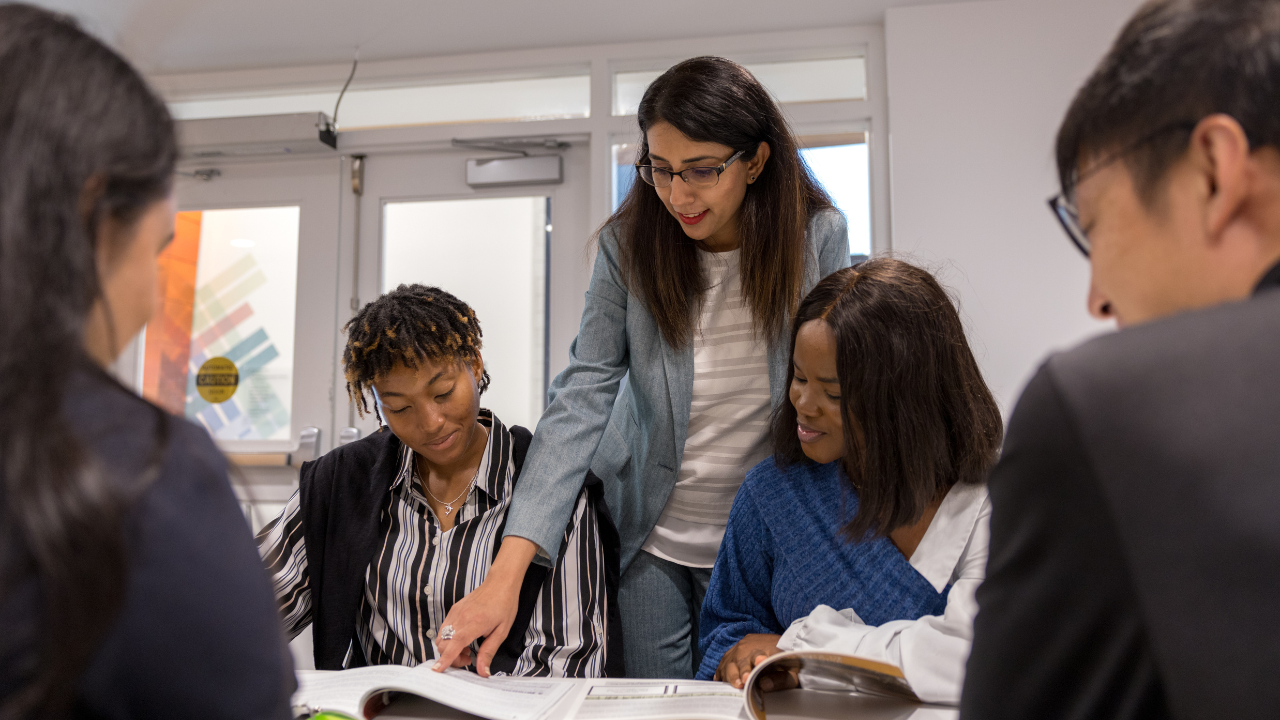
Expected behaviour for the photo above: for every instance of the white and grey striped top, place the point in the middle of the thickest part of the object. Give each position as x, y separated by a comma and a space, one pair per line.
419, 572
728, 419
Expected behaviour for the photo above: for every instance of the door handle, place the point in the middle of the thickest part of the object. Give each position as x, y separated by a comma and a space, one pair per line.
307, 449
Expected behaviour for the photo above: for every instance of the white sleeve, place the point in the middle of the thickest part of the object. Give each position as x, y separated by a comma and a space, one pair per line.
932, 651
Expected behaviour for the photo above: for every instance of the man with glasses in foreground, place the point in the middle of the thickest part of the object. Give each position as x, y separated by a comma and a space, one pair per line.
1135, 535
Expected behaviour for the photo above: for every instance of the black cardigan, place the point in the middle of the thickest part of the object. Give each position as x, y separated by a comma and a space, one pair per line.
342, 496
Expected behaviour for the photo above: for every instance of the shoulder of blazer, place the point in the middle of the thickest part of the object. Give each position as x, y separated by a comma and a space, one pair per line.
825, 226
608, 237
609, 249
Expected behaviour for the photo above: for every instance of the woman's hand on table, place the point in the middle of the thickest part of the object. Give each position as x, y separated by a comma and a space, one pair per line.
739, 660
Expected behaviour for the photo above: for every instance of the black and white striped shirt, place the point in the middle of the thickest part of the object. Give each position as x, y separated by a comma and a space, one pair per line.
419, 572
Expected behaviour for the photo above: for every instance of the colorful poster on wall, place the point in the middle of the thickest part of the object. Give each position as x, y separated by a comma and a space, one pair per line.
228, 287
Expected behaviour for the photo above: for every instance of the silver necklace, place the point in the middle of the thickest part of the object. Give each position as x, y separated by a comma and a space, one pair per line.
448, 506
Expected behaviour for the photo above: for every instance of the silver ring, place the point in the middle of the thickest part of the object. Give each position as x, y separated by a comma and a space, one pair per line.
446, 632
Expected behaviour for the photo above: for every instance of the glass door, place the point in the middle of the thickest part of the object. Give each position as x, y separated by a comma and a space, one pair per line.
492, 254
221, 351
245, 336
517, 255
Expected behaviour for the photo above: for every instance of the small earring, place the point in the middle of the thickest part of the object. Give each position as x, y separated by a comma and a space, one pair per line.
751, 179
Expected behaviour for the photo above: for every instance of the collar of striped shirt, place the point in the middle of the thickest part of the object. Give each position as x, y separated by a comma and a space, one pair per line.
490, 476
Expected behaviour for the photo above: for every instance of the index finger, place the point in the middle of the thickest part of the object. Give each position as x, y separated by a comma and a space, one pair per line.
450, 649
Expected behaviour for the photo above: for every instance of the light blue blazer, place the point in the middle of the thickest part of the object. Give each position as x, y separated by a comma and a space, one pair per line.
631, 434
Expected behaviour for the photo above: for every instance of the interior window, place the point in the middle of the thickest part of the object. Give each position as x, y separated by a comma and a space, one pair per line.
220, 347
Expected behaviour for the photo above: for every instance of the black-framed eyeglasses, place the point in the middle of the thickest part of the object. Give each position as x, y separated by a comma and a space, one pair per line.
1066, 212
1064, 206
703, 177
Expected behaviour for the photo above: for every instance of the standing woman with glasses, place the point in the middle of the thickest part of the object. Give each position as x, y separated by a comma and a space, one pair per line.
130, 586
680, 358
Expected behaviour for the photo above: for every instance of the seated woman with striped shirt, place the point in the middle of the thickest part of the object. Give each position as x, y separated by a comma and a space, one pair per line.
385, 534
866, 533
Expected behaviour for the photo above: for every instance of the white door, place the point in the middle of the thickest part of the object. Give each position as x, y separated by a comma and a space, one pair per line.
245, 339
517, 255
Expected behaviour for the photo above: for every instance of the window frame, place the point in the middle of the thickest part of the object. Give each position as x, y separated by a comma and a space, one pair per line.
601, 128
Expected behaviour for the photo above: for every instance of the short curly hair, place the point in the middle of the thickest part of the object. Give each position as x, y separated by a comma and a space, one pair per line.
407, 325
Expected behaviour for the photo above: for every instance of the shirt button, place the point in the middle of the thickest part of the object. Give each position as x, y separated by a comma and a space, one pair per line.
426, 589
431, 634
435, 540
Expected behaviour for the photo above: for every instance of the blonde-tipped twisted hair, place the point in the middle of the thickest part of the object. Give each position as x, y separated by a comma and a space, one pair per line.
407, 325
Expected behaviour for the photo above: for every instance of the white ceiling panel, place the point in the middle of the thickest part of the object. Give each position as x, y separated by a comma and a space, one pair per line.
187, 36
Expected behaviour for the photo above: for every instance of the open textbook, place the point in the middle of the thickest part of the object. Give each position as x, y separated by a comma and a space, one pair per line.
828, 671
364, 692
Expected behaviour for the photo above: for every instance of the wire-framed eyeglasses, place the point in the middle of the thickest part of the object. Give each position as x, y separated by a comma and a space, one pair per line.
1064, 207
703, 177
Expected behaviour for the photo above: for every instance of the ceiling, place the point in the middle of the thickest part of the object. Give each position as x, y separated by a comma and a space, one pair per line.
184, 36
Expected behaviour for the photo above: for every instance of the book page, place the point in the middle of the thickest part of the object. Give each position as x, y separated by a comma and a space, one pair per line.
495, 698
828, 671
658, 699
339, 691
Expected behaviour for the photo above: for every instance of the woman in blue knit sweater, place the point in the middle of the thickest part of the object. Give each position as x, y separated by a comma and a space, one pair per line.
866, 533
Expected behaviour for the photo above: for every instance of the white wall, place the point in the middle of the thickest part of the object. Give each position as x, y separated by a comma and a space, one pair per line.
976, 93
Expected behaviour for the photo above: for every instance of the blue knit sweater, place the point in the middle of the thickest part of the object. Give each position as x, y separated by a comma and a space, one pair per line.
783, 555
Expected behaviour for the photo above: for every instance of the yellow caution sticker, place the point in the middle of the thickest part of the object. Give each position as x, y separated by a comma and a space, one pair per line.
217, 380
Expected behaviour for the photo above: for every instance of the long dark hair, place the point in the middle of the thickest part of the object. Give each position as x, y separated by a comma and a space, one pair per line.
918, 417
82, 139
711, 99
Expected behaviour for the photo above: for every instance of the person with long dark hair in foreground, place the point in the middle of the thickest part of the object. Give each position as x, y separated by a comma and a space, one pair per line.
129, 582
695, 280
866, 533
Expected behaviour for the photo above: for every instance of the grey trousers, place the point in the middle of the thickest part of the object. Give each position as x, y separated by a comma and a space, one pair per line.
660, 602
